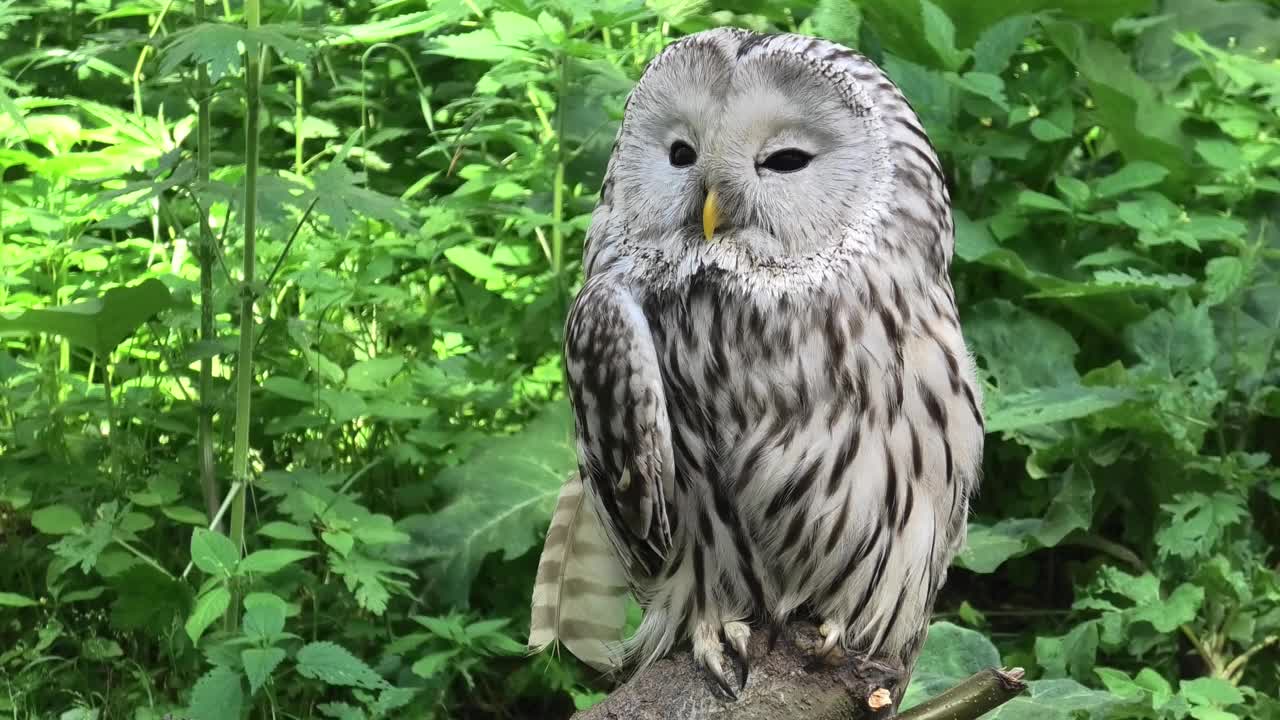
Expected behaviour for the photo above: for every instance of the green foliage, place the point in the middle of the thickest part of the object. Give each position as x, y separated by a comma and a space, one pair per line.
427, 175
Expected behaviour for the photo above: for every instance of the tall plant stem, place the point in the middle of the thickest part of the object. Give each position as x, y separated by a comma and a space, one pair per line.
244, 359
208, 333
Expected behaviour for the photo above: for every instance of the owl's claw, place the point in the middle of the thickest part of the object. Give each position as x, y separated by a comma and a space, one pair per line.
739, 636
831, 651
716, 668
709, 653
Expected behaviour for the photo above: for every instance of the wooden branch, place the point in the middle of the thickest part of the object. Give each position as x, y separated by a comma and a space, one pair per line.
785, 684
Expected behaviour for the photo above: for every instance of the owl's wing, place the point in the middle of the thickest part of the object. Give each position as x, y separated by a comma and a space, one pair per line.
624, 436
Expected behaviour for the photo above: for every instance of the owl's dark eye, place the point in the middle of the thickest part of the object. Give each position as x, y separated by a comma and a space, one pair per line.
785, 161
682, 154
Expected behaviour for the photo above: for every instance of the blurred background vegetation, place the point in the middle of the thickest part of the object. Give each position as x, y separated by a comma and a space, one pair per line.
348, 303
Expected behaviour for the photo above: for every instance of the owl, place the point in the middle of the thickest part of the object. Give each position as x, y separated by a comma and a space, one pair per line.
775, 412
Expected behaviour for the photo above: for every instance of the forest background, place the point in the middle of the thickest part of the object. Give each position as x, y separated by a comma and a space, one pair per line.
302, 267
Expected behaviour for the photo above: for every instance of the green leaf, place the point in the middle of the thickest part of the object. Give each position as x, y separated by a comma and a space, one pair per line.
339, 196
940, 34
998, 43
218, 695
1224, 277
259, 663
474, 263
374, 374
1040, 201
477, 45
837, 20
503, 497
84, 547
1210, 691
265, 562
1032, 408
514, 28
185, 515
334, 665
1176, 340
217, 46
264, 616
281, 530
99, 324
1222, 154
1198, 522
1133, 176
1020, 349
214, 553
1143, 125
210, 608
983, 85
429, 665
950, 654
420, 24
1076, 191
1069, 655
989, 546
57, 520
1055, 700
8, 599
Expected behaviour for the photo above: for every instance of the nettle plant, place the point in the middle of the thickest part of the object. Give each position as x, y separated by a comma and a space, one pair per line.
283, 287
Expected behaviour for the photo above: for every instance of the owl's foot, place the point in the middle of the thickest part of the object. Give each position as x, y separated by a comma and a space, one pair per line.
709, 652
830, 650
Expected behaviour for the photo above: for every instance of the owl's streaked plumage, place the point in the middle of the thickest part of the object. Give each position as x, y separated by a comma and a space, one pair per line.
775, 410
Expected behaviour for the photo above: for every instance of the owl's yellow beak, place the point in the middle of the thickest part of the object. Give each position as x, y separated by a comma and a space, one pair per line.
710, 215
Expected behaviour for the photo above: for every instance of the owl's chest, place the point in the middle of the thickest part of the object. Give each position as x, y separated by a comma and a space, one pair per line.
732, 364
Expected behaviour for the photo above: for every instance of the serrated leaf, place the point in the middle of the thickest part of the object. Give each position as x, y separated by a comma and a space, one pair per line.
339, 195
334, 665
1224, 277
1069, 655
1031, 408
503, 497
1197, 522
84, 547
266, 562
214, 553
264, 616
259, 663
217, 695
210, 608
997, 44
217, 46
1175, 340
1021, 349
429, 665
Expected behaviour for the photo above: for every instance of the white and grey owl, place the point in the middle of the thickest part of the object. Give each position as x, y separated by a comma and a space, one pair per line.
775, 411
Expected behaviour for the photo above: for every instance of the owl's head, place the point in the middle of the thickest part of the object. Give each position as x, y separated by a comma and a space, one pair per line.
780, 145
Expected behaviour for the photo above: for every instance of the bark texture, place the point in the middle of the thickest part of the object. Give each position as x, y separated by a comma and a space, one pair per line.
785, 684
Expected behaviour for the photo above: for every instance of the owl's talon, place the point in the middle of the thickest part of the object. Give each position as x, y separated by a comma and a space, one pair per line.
739, 636
709, 653
831, 651
717, 671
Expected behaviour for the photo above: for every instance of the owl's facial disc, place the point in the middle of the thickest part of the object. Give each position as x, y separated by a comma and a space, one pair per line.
762, 154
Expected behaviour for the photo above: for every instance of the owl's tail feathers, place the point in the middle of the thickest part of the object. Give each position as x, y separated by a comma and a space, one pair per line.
580, 594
